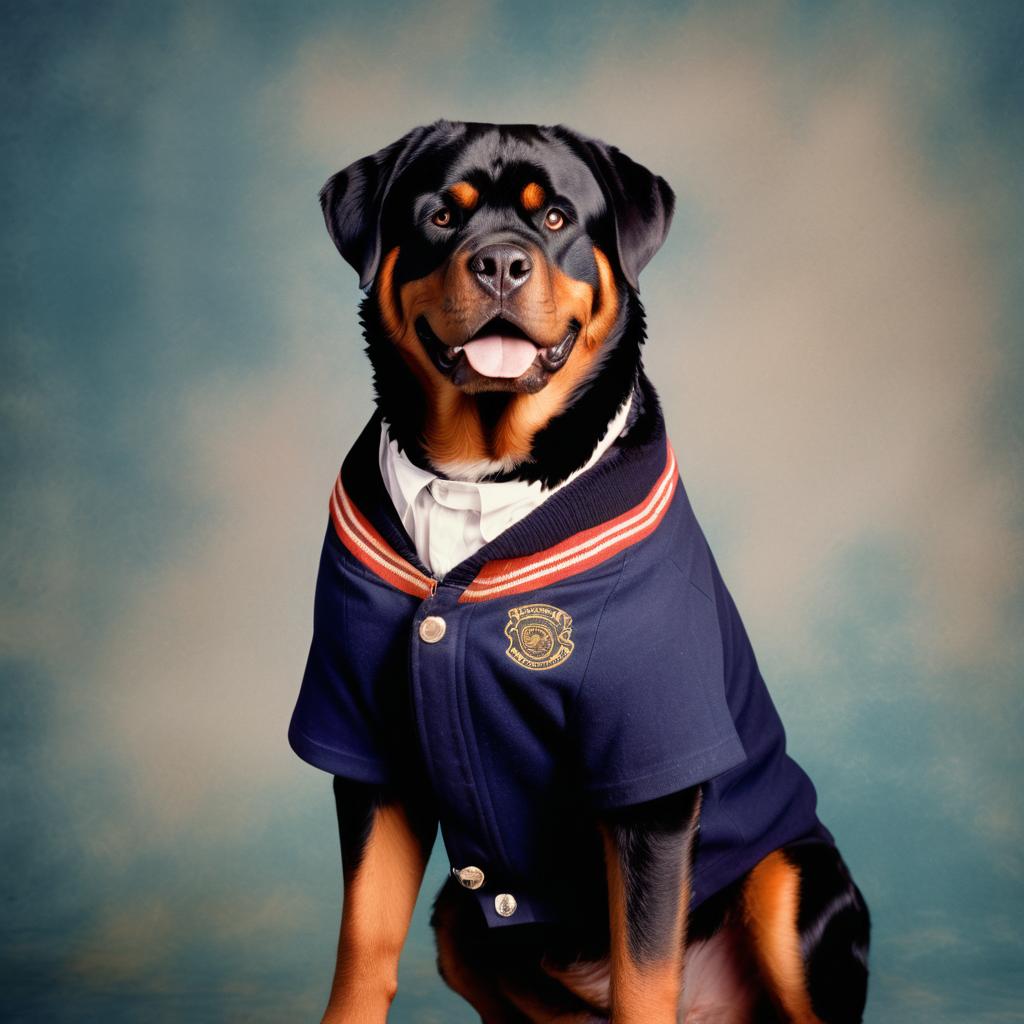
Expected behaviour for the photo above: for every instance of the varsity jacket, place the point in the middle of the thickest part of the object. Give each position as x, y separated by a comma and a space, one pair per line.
588, 658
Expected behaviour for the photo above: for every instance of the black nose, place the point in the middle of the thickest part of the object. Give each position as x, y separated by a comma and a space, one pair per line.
501, 268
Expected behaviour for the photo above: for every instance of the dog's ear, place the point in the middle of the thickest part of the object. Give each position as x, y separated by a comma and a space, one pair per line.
353, 199
641, 203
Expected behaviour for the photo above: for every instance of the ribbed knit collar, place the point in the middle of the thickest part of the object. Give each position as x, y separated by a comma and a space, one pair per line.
617, 482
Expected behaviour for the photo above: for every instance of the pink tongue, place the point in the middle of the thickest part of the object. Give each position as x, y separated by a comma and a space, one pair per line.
497, 356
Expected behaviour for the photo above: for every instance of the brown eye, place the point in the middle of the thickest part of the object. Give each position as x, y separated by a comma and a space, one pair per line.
554, 220
442, 218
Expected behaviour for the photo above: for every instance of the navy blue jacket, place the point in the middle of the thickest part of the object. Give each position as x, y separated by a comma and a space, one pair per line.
591, 658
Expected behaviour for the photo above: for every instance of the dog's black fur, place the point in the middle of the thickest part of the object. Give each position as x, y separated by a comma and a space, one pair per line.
384, 203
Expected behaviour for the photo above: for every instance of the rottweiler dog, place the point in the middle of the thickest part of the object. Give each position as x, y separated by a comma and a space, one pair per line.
504, 327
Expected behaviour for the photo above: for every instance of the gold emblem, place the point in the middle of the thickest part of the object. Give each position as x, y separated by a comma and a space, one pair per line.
538, 636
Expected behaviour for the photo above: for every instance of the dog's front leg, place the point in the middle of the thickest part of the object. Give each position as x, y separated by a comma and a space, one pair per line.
386, 838
648, 849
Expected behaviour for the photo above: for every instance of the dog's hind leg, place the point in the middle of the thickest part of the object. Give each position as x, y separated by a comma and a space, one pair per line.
809, 927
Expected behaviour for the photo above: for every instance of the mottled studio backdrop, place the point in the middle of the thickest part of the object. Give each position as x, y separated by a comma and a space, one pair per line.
836, 330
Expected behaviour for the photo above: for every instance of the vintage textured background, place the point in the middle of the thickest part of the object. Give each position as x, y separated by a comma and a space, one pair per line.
836, 331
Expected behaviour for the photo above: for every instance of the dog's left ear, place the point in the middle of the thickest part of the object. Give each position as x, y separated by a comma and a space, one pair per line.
642, 203
352, 201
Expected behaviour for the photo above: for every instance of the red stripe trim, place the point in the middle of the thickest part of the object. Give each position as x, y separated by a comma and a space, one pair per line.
581, 551
372, 550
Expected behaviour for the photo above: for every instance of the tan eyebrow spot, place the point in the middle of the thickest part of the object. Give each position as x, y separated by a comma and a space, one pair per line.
464, 194
532, 196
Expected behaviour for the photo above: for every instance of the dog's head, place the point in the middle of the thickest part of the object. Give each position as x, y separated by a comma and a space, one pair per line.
497, 259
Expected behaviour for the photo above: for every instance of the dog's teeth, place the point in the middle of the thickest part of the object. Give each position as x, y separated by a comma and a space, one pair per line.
456, 350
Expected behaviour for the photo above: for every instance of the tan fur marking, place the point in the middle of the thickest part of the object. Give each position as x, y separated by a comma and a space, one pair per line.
532, 196
379, 898
390, 314
531, 413
771, 898
464, 194
640, 994
452, 429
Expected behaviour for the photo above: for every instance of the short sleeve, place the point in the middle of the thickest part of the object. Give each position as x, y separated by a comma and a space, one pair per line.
651, 715
344, 710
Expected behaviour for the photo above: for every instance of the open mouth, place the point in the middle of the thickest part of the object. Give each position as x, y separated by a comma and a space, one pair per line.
499, 350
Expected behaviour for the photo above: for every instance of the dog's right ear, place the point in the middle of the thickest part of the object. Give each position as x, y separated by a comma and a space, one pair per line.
352, 201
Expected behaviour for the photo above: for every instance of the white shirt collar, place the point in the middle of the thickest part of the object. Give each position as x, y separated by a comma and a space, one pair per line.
494, 506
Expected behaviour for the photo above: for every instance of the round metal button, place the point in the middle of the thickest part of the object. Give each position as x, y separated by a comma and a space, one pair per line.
432, 629
505, 904
470, 877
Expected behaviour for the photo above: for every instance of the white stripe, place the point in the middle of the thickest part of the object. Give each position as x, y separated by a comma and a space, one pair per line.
582, 557
667, 479
354, 525
358, 541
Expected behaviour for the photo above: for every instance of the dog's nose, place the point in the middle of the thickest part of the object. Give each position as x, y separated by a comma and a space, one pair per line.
501, 268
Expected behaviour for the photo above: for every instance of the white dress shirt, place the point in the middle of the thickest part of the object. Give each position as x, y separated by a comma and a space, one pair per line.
448, 520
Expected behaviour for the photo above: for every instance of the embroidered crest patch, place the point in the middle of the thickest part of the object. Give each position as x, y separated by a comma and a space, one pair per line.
538, 636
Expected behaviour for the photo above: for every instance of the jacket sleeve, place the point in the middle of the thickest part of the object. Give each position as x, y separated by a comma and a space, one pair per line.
341, 719
651, 715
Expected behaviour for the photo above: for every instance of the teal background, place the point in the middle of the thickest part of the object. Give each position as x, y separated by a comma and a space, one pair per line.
835, 331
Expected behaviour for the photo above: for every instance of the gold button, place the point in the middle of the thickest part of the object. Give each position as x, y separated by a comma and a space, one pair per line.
470, 877
505, 904
432, 629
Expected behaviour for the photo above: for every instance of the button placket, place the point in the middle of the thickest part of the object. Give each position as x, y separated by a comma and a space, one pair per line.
430, 631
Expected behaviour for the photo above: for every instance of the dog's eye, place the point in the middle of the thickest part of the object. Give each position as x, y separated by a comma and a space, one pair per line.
442, 218
554, 220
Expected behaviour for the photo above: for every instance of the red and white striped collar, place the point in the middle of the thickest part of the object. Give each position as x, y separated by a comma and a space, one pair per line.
503, 577
366, 544
582, 550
